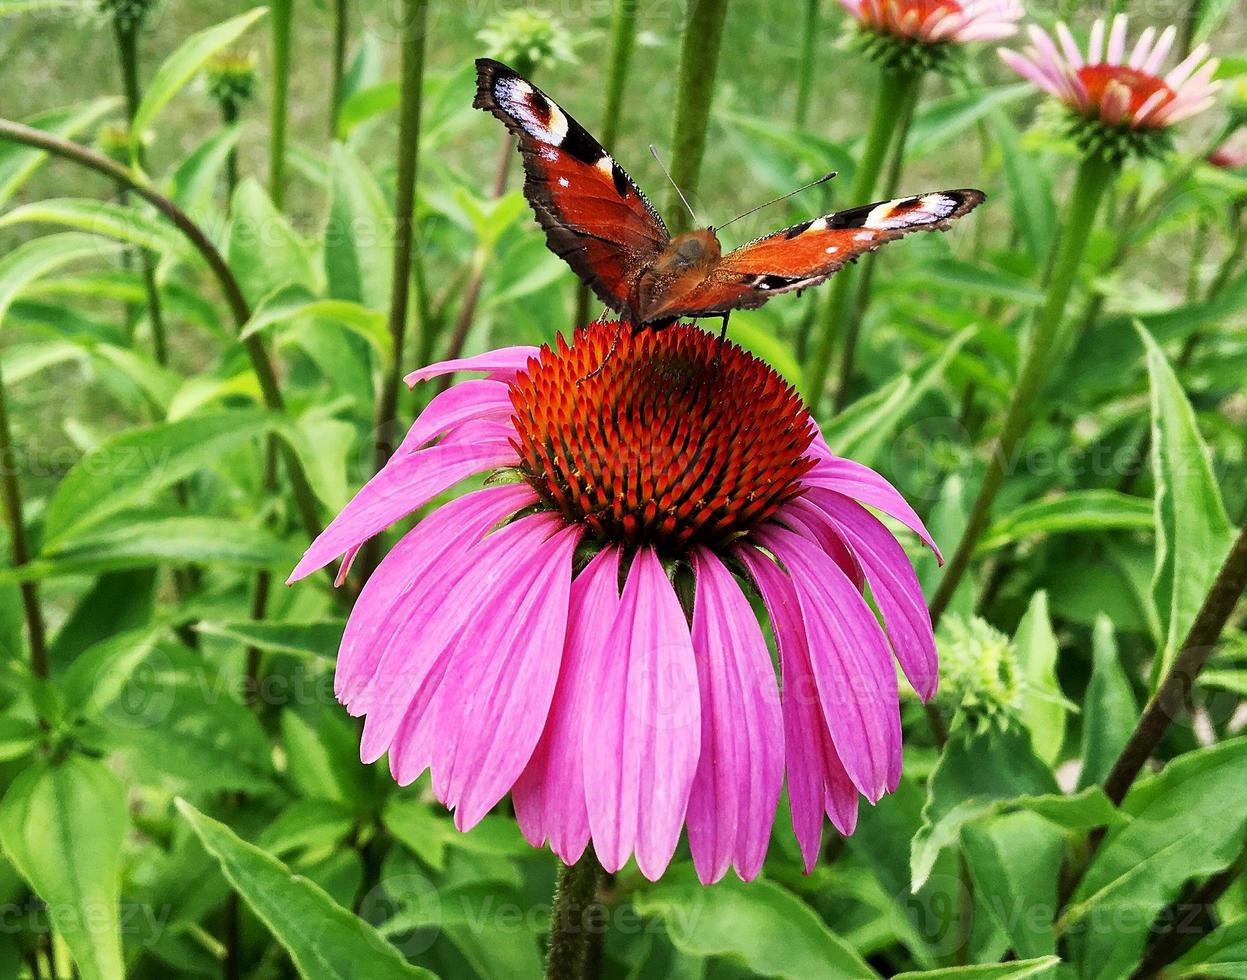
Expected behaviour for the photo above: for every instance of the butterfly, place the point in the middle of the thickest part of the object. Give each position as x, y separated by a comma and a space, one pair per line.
600, 222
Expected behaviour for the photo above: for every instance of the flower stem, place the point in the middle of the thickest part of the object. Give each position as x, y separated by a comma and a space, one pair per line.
127, 34
1094, 177
805, 69
571, 930
278, 111
894, 88
229, 116
699, 62
623, 42
866, 274
19, 548
305, 499
340, 19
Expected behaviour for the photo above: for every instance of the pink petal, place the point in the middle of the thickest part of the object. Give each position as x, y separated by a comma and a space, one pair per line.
817, 782
736, 788
1069, 46
405, 483
1028, 70
503, 361
1117, 40
403, 576
1161, 51
1142, 48
549, 796
851, 661
867, 487
461, 603
1095, 44
641, 756
893, 584
816, 528
464, 402
1183, 71
494, 701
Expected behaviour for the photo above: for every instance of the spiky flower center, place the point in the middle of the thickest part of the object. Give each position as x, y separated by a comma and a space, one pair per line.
1139, 86
670, 441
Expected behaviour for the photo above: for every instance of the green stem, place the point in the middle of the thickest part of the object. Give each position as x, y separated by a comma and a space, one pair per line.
699, 62
229, 116
571, 929
127, 33
404, 207
894, 89
623, 42
1094, 177
805, 68
279, 109
340, 20
866, 274
305, 499
18, 545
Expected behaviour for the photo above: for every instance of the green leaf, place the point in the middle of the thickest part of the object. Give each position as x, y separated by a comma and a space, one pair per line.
363, 105
17, 736
181, 66
315, 640
265, 253
18, 161
974, 773
1043, 705
323, 759
1193, 533
358, 256
1182, 828
102, 672
1109, 711
37, 258
62, 826
957, 275
141, 541
867, 433
1078, 510
123, 223
940, 121
1221, 953
324, 939
989, 971
137, 463
1211, 15
1030, 190
760, 925
297, 303
314, 826
195, 180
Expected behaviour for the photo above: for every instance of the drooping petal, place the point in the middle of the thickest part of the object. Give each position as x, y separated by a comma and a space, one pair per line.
406, 482
464, 402
444, 536
504, 360
893, 583
867, 487
817, 782
641, 755
549, 796
458, 605
740, 770
851, 662
495, 697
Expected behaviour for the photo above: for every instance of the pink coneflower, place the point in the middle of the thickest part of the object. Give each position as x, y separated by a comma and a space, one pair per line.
1118, 88
581, 635
1231, 154
934, 21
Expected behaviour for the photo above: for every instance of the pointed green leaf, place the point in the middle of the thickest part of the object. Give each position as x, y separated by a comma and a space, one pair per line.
1109, 711
358, 256
297, 303
18, 161
1078, 510
325, 940
265, 252
37, 258
988, 971
62, 825
123, 223
1193, 533
1043, 706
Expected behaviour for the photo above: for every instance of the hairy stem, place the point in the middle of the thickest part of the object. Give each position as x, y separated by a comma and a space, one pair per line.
279, 107
699, 62
1094, 177
571, 932
894, 88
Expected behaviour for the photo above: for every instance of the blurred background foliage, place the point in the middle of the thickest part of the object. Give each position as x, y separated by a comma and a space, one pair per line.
158, 524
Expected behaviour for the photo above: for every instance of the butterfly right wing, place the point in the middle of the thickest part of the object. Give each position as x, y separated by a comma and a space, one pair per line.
594, 215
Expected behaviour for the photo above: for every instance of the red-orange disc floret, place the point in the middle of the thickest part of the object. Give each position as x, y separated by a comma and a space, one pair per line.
1140, 85
674, 442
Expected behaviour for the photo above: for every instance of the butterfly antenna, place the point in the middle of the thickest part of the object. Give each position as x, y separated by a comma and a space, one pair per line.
654, 150
813, 183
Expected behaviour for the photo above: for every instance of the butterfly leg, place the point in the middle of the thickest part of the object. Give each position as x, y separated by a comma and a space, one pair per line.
609, 354
718, 354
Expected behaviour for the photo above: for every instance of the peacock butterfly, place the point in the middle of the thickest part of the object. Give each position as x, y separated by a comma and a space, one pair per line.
598, 220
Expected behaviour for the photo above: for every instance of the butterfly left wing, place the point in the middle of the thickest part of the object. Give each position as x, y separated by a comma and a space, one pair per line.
807, 254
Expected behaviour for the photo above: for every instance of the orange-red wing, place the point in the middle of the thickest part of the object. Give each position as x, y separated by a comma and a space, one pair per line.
594, 215
805, 255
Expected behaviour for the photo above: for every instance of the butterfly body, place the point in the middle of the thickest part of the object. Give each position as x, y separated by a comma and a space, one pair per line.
598, 220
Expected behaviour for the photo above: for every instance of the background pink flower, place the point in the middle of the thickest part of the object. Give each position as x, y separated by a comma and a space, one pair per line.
582, 636
933, 21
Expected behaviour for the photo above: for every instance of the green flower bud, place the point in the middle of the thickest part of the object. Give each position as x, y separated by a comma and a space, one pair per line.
526, 39
979, 677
